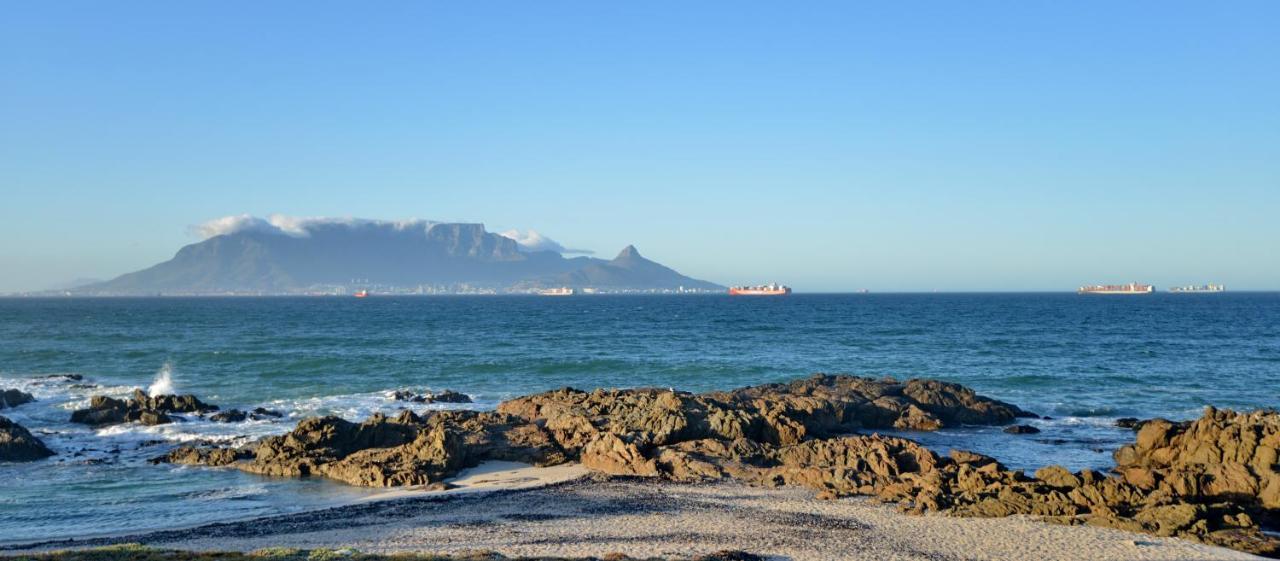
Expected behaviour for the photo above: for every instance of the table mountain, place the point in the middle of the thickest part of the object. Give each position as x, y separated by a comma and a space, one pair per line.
382, 254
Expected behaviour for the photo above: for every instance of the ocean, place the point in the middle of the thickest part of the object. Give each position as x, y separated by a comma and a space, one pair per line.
1082, 360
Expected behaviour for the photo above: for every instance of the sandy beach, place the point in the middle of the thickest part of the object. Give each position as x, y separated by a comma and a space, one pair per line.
565, 511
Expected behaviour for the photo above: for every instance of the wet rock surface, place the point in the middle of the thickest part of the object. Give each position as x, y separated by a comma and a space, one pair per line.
140, 408
14, 398
17, 444
446, 396
239, 416
1213, 480
1128, 423
1022, 429
229, 416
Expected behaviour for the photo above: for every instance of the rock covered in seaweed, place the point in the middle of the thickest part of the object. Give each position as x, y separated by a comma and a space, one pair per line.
140, 408
17, 444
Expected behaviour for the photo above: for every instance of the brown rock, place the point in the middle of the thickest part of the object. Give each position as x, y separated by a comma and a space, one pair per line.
1212, 479
171, 403
1140, 477
216, 457
610, 454
140, 408
972, 458
434, 454
1058, 476
1170, 519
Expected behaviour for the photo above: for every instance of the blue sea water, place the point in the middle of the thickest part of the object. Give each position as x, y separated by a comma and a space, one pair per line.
1083, 360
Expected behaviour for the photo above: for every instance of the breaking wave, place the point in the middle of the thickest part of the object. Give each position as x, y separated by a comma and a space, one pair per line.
163, 384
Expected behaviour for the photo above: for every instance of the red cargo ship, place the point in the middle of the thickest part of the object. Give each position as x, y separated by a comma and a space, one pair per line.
770, 289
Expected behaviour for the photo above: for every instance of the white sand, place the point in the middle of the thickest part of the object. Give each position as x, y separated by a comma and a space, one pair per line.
650, 518
493, 476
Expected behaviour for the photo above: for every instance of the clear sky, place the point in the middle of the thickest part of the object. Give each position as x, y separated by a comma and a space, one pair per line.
833, 146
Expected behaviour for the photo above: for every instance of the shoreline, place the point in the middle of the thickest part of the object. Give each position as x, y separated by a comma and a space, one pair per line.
808, 436
488, 477
597, 515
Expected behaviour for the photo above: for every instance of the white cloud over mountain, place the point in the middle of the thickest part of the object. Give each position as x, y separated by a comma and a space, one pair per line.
534, 241
300, 227
296, 226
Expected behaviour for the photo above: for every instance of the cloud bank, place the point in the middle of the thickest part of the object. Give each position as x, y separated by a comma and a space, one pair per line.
296, 226
534, 241
300, 227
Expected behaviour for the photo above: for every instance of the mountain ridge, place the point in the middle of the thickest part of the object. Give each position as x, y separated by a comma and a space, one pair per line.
341, 257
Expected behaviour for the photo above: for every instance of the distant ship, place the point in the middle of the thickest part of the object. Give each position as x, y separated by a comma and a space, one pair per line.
563, 291
1191, 289
362, 294
771, 289
1131, 288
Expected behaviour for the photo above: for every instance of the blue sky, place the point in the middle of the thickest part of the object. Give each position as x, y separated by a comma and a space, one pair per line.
831, 146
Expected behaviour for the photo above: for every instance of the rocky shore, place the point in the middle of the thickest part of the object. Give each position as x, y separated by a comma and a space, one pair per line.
17, 444
602, 517
140, 408
14, 398
141, 553
1213, 480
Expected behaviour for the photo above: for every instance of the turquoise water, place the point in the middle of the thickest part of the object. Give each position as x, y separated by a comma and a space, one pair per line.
1084, 360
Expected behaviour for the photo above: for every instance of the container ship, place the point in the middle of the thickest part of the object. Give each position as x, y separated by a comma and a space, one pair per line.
1131, 288
1198, 289
564, 291
771, 289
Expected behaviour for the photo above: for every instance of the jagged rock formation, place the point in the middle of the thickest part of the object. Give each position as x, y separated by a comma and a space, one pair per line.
17, 444
384, 451
14, 398
140, 408
616, 431
1213, 480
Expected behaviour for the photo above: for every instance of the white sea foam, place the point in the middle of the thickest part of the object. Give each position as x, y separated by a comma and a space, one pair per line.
230, 493
131, 443
163, 384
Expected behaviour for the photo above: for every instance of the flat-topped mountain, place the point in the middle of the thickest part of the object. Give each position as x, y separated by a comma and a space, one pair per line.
335, 255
